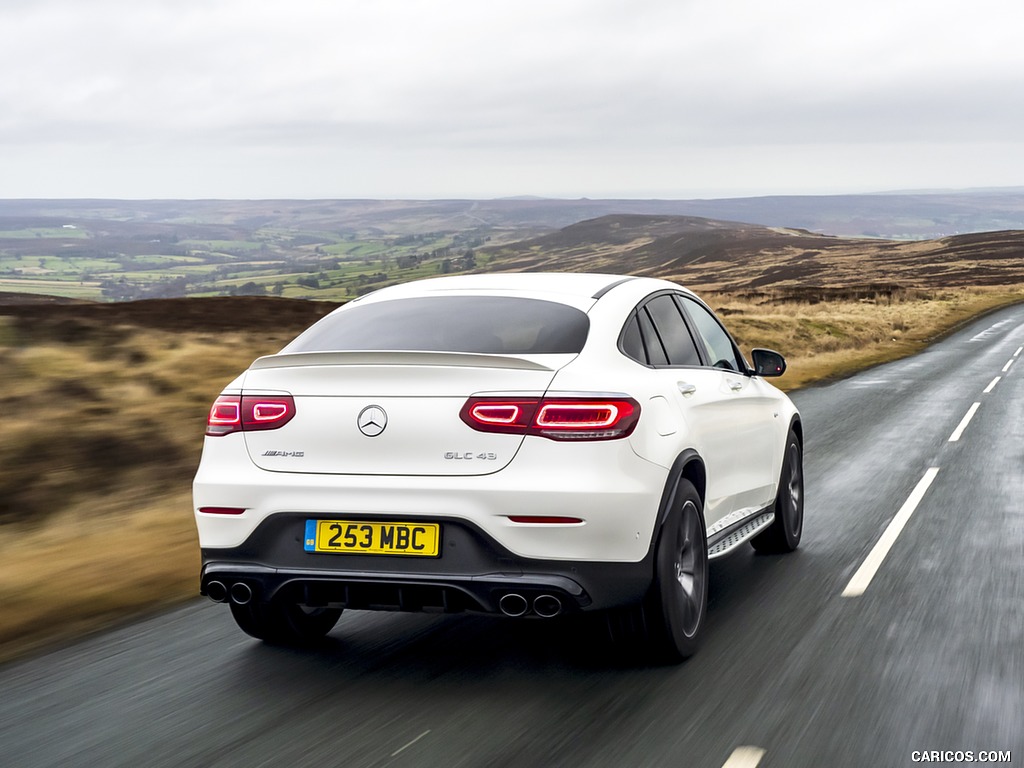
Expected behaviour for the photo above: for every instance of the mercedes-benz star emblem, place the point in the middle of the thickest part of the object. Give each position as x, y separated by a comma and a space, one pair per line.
372, 420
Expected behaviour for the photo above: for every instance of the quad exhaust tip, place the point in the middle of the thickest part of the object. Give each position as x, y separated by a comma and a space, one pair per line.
217, 592
241, 593
513, 604
547, 606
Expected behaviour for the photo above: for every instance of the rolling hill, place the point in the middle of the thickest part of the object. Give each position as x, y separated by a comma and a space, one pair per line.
716, 255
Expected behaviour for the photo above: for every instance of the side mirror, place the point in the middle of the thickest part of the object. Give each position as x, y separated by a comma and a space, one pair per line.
768, 363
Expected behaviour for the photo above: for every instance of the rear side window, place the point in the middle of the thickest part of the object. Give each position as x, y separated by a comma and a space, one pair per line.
675, 336
632, 343
655, 350
657, 335
482, 324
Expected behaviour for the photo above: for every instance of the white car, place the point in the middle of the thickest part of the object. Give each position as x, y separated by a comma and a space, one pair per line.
517, 444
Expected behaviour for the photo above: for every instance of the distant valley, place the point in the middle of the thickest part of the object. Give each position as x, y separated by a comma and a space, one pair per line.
338, 249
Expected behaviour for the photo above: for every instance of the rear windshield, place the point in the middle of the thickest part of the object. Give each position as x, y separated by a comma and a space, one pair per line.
484, 324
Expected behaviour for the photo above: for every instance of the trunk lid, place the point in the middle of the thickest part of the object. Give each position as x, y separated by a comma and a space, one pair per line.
389, 413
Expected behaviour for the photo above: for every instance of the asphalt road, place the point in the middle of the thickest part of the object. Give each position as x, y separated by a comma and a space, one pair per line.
928, 657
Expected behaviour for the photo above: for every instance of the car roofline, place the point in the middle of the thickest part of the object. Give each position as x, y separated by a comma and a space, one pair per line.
611, 285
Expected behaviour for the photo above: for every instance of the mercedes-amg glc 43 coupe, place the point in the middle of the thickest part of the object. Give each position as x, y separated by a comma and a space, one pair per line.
519, 444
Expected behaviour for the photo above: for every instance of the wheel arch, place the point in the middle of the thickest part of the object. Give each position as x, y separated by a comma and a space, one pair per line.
796, 426
687, 466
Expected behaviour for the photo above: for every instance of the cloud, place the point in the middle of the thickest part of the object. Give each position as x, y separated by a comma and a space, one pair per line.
456, 86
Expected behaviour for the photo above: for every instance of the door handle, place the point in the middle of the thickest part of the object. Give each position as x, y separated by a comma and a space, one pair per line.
735, 386
686, 388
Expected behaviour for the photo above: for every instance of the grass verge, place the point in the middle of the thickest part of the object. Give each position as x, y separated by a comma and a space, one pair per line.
93, 566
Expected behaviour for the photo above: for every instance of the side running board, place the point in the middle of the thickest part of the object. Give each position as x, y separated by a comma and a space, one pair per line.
726, 541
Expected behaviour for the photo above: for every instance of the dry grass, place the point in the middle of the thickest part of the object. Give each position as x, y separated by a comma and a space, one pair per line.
79, 417
101, 439
826, 340
102, 435
93, 565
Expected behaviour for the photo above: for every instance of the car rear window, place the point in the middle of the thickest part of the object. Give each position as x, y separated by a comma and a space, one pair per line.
482, 324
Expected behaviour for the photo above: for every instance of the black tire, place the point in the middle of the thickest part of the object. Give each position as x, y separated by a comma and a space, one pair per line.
284, 623
784, 534
667, 626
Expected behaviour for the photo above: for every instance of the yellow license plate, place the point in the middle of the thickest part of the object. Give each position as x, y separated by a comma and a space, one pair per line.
362, 537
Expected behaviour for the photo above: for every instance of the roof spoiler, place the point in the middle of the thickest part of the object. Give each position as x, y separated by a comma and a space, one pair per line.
370, 357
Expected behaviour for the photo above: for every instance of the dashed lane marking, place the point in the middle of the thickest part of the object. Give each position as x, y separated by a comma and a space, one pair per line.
862, 578
958, 432
744, 757
400, 750
1008, 364
992, 385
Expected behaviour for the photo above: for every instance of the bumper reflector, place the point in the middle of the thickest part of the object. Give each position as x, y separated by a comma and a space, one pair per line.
545, 519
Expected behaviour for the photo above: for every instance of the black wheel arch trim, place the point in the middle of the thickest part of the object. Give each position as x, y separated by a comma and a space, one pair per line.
687, 466
796, 425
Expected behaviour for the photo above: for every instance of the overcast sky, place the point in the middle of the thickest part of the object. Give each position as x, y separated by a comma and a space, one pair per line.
489, 98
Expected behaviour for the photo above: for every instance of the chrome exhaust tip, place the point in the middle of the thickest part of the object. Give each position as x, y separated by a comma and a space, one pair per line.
241, 593
547, 606
513, 604
217, 592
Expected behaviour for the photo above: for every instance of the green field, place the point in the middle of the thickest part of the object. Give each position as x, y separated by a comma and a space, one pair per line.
296, 263
52, 288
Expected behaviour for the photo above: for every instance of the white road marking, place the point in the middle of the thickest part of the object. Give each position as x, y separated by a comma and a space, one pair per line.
991, 329
1008, 364
963, 423
877, 555
744, 757
1019, 350
402, 749
992, 385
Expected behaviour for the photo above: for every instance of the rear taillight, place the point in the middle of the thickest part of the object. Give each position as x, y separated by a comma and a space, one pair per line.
248, 413
557, 418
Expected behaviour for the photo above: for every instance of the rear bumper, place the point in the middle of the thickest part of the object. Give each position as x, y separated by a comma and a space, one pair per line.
473, 573
615, 493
